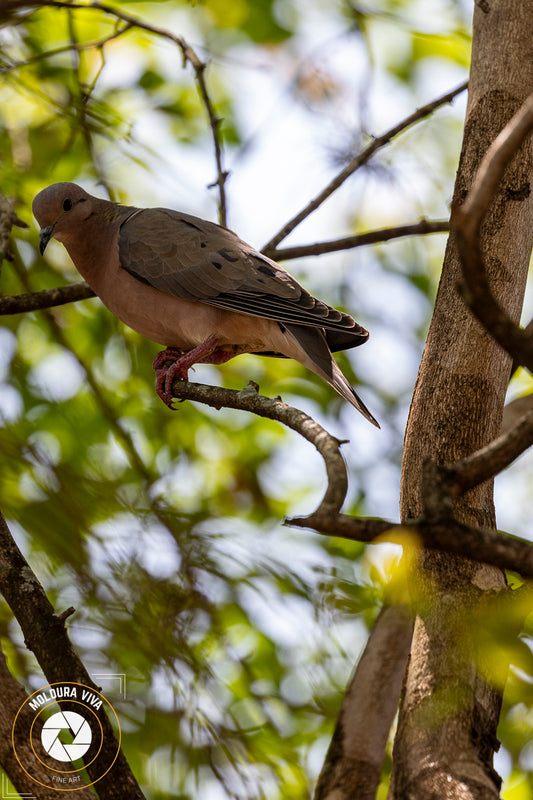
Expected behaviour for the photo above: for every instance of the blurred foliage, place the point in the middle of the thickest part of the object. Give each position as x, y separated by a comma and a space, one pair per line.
236, 636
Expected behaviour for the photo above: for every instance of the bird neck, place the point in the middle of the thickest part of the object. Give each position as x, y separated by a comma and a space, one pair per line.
92, 251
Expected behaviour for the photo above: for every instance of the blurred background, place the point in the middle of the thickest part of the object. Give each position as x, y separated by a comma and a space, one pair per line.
164, 529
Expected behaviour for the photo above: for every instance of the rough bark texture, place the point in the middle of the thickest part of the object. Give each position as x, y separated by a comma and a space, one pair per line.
46, 636
12, 697
447, 725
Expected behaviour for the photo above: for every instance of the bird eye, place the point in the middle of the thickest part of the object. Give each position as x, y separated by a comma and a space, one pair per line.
67, 204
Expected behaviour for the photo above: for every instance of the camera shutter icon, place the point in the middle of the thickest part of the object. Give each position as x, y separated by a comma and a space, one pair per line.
56, 725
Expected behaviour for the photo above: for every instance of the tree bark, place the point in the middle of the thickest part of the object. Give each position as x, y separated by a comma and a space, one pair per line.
446, 733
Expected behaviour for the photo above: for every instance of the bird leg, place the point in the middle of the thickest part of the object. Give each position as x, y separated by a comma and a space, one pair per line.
179, 367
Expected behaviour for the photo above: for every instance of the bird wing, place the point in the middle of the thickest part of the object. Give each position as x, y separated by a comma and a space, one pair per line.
201, 261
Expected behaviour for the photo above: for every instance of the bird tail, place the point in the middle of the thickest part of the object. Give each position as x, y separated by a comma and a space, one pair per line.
315, 354
346, 390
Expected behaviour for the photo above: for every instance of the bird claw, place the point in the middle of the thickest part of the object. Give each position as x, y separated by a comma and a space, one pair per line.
169, 366
166, 358
173, 364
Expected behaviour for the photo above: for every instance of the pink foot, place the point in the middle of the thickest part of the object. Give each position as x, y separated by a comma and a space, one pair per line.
179, 367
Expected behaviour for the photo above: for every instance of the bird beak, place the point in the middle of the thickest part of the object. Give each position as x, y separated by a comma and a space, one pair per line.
44, 237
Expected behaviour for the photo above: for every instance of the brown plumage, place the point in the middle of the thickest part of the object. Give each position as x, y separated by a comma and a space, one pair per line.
195, 287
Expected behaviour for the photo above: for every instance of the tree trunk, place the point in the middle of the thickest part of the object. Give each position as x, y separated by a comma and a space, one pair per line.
446, 732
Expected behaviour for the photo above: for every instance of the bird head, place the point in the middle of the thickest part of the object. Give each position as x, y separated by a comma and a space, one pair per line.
59, 209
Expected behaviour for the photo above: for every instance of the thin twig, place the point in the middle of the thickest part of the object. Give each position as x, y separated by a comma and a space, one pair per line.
424, 226
20, 303
189, 55
360, 160
73, 46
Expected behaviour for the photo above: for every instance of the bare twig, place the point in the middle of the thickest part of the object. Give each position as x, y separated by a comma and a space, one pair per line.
359, 161
248, 399
358, 240
73, 46
36, 301
467, 221
355, 756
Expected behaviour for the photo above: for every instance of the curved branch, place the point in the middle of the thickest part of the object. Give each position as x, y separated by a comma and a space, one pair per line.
36, 301
248, 399
467, 221
358, 240
360, 160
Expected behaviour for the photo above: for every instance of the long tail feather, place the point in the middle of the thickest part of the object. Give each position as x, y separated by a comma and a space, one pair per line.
310, 348
346, 390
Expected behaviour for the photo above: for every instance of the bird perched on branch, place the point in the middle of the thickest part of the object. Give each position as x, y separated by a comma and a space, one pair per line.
194, 287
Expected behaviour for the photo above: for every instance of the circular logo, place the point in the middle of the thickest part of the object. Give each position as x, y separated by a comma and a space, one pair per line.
74, 735
72, 724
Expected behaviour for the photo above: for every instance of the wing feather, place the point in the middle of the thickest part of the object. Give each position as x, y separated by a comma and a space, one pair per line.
198, 260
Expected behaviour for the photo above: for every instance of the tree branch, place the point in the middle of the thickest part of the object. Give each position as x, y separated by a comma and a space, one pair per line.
48, 298
12, 698
8, 218
45, 635
446, 535
358, 240
248, 399
491, 459
467, 221
355, 756
440, 532
359, 161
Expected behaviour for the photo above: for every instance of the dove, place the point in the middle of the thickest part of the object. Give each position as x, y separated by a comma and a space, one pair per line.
194, 287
